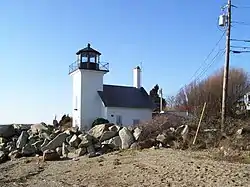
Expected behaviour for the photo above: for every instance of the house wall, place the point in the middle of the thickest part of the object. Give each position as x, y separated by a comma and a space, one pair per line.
127, 115
86, 83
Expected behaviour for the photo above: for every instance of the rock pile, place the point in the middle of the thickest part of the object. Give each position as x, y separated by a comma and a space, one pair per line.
55, 142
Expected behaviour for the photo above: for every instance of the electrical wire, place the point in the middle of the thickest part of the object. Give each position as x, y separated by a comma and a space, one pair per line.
242, 47
208, 56
219, 55
239, 40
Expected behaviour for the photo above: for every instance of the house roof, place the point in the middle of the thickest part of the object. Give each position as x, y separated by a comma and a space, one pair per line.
124, 96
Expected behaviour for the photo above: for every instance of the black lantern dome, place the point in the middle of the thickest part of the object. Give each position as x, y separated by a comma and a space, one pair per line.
89, 59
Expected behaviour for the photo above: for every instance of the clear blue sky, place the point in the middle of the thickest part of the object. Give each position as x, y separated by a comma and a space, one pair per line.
39, 39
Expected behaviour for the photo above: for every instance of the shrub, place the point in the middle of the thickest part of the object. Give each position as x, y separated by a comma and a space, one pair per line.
99, 121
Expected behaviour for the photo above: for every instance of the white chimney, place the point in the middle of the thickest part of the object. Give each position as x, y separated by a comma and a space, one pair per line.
137, 77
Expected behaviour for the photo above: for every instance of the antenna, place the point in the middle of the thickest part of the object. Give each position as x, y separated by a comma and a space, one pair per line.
141, 65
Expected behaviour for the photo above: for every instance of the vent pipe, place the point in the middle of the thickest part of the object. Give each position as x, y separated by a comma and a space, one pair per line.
137, 77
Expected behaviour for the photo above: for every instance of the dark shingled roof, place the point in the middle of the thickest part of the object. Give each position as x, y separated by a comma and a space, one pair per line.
124, 96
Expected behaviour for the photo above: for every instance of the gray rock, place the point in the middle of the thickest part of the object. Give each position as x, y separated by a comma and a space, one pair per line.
107, 135
65, 150
115, 128
45, 135
22, 140
7, 131
28, 150
98, 130
90, 149
50, 155
38, 144
59, 151
56, 142
2, 140
15, 154
161, 138
135, 145
3, 157
127, 137
45, 142
38, 128
74, 141
86, 140
11, 146
137, 133
81, 151
115, 142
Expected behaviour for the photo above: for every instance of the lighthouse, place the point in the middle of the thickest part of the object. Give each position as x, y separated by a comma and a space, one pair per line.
87, 74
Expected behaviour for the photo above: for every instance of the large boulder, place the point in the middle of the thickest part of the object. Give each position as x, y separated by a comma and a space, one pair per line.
50, 155
86, 140
56, 142
127, 137
28, 150
38, 128
7, 131
107, 135
22, 140
98, 130
115, 142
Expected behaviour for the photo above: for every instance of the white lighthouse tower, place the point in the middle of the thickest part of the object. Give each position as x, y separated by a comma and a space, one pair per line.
87, 73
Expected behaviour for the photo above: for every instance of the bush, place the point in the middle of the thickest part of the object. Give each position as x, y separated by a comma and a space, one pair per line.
99, 121
210, 90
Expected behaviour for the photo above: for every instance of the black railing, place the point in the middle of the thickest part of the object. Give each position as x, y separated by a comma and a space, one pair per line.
101, 66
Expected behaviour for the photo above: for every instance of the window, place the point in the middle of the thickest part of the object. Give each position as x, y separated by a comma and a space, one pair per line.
118, 119
136, 121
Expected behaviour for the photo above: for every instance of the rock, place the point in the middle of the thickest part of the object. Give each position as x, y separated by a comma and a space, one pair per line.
50, 155
44, 135
10, 146
127, 137
90, 149
98, 130
114, 128
86, 140
45, 142
28, 150
22, 140
94, 154
59, 151
3, 157
135, 145
7, 131
38, 144
56, 142
65, 151
115, 142
146, 144
2, 140
15, 154
137, 133
81, 151
107, 135
55, 123
38, 128
74, 141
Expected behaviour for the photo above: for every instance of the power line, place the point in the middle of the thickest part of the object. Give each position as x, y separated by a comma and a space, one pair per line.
239, 40
219, 55
238, 52
242, 47
246, 7
208, 55
241, 23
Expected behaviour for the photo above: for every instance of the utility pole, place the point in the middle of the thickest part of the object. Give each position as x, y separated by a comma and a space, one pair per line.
160, 100
226, 68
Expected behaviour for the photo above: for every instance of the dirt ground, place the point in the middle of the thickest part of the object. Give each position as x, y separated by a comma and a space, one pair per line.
150, 167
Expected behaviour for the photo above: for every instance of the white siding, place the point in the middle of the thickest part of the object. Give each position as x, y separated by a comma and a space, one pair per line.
86, 83
128, 114
76, 107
